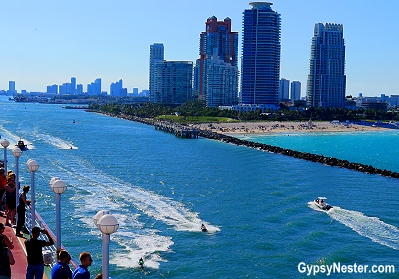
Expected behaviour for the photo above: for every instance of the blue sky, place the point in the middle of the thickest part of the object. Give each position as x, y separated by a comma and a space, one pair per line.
45, 42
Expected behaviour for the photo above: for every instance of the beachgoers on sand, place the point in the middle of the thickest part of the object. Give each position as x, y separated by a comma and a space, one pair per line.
286, 127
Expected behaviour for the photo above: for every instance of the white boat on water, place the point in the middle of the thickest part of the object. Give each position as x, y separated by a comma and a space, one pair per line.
320, 203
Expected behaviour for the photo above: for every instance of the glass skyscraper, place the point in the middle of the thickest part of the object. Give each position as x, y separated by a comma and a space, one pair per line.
261, 47
173, 82
156, 54
327, 81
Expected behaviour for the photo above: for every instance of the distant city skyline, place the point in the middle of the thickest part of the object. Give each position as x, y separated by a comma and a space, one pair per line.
102, 43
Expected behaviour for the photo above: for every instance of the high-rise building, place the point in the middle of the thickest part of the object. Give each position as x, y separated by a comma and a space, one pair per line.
221, 82
295, 91
284, 90
156, 54
261, 47
11, 87
73, 85
173, 81
94, 88
115, 88
218, 40
97, 86
79, 89
52, 89
327, 81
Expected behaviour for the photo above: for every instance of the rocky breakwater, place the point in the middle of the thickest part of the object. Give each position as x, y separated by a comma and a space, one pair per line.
330, 161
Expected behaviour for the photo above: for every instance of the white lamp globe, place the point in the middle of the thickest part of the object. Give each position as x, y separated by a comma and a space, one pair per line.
16, 152
53, 179
5, 143
99, 214
32, 165
58, 187
108, 224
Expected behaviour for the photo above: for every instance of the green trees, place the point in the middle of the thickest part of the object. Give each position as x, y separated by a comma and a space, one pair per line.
193, 110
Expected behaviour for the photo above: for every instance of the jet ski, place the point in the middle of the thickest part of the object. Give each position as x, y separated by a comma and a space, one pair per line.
141, 262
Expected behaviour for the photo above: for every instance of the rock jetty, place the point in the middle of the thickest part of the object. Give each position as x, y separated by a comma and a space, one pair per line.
329, 161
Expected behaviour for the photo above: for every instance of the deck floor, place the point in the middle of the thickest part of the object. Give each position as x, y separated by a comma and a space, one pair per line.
18, 270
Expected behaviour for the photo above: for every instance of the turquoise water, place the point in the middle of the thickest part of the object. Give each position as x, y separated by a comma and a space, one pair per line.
377, 148
161, 188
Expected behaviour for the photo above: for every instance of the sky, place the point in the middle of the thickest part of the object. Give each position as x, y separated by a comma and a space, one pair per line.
46, 42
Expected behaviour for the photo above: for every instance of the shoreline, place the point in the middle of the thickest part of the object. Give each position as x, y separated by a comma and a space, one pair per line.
272, 127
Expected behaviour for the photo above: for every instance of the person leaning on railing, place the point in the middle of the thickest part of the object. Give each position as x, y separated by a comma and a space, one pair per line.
21, 210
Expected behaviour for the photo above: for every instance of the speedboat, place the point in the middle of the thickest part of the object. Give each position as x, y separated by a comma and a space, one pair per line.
21, 145
320, 203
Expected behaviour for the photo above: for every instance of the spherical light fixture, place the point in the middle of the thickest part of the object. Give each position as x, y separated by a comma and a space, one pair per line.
58, 187
32, 165
99, 214
5, 143
108, 224
16, 152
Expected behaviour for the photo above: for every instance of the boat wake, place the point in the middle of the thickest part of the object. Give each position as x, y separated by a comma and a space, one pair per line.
13, 139
146, 245
129, 204
168, 211
57, 142
370, 227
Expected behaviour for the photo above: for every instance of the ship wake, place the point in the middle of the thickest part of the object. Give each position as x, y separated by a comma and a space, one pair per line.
370, 227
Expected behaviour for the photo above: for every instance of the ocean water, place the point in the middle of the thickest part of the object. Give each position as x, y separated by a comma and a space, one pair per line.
256, 205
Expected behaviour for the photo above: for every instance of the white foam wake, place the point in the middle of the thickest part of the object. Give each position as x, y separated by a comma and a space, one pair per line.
149, 203
13, 138
168, 211
57, 142
370, 227
127, 203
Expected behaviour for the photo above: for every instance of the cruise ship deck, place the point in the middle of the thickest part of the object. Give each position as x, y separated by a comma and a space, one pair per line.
18, 270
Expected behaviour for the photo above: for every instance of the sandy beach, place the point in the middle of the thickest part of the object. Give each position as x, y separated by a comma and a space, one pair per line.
286, 127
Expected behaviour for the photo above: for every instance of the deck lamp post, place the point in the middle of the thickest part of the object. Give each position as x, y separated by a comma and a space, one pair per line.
32, 166
59, 187
17, 153
5, 143
107, 224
